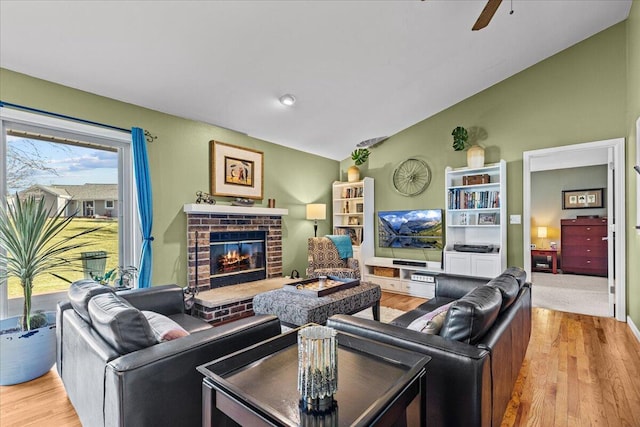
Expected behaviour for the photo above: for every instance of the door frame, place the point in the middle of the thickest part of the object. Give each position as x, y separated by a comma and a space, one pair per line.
86, 207
577, 155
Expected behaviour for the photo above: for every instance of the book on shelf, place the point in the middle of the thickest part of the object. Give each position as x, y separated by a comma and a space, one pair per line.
354, 233
462, 199
352, 192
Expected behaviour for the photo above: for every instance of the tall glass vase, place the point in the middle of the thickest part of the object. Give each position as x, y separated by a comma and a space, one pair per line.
317, 367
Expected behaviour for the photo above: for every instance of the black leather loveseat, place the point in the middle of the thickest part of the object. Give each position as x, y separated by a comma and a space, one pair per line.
478, 352
115, 371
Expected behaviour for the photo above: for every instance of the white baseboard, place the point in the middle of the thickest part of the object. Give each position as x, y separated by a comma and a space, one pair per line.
633, 328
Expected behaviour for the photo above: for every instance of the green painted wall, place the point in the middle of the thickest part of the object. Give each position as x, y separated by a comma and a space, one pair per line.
179, 167
578, 95
633, 112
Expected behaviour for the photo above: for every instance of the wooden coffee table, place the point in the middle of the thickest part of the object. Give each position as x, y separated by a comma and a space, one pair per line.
378, 385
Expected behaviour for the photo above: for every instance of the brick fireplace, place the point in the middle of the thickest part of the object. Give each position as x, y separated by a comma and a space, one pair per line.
202, 220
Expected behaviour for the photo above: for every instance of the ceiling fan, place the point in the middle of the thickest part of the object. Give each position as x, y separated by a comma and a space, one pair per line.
486, 14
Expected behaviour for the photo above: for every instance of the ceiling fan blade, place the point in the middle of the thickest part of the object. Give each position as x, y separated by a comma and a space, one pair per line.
486, 14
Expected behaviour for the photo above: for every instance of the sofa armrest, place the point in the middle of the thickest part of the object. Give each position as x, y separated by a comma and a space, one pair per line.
458, 375
353, 263
311, 266
160, 385
432, 345
164, 299
82, 357
60, 308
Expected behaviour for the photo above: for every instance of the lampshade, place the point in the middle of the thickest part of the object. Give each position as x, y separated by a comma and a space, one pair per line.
316, 211
542, 232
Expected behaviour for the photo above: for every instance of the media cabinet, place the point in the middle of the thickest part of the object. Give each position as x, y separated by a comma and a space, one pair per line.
403, 276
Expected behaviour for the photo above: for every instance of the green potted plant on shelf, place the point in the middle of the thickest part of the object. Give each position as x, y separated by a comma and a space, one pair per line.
33, 242
359, 157
475, 152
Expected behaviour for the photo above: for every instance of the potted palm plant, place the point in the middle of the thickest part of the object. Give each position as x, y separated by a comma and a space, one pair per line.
33, 242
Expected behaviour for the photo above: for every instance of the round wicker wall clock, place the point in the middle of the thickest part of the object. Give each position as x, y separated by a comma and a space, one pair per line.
411, 177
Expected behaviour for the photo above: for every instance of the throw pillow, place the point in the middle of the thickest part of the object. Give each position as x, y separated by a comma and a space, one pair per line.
434, 325
120, 324
420, 323
163, 328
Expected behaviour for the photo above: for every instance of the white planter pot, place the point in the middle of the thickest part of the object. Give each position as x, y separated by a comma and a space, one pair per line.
475, 156
353, 174
26, 355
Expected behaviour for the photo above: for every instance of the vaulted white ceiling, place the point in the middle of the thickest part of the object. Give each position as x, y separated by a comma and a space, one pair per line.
359, 69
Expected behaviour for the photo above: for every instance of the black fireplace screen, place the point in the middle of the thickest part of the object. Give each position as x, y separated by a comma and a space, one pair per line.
237, 257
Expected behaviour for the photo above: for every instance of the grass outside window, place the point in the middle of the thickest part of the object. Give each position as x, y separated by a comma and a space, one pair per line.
105, 239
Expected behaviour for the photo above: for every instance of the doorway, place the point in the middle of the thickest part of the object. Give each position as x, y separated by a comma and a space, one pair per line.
88, 209
611, 154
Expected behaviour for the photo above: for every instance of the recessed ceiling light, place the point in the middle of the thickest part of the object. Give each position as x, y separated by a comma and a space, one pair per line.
288, 100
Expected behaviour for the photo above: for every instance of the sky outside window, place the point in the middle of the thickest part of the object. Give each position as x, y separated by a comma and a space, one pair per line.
32, 161
61, 164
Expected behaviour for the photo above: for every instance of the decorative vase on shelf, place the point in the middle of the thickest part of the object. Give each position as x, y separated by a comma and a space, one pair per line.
353, 174
475, 156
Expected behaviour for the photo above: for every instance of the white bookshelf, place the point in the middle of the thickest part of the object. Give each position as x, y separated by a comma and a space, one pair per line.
476, 214
353, 214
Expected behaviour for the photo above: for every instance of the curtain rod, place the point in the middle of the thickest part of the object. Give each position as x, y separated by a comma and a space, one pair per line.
147, 134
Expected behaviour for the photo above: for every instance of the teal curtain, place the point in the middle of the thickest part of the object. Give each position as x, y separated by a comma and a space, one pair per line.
145, 203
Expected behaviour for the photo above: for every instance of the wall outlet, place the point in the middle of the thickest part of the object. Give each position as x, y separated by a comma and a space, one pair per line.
515, 219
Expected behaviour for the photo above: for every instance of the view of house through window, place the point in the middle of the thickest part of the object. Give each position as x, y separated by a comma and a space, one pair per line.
84, 177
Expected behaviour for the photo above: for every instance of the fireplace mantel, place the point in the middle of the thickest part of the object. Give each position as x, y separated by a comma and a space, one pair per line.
201, 208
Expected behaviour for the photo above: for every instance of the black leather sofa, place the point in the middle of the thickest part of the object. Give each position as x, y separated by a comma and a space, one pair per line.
115, 375
477, 355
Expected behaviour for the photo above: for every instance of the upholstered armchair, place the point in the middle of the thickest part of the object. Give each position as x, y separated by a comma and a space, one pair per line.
324, 260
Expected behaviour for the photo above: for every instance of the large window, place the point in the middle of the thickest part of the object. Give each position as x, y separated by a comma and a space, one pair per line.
85, 167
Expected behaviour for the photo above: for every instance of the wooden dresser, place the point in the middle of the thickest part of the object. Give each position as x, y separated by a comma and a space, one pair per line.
584, 246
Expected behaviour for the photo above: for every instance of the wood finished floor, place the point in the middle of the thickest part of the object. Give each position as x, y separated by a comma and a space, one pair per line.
579, 371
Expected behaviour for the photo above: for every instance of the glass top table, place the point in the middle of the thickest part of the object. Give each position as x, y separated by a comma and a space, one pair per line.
378, 384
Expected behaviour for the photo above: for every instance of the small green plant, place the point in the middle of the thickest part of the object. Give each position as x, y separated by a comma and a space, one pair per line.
360, 156
460, 137
29, 233
121, 276
104, 280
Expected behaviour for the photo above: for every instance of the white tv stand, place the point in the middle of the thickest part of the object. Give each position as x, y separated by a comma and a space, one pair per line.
402, 283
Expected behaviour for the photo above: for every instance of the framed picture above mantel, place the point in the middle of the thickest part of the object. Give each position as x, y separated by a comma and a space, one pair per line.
235, 171
583, 199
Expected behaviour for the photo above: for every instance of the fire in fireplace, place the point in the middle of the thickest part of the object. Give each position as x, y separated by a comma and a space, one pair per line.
237, 257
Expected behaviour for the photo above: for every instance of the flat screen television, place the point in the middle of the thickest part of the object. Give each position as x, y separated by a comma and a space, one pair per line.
418, 229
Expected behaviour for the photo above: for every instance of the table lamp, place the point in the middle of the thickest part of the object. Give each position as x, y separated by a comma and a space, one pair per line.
542, 234
316, 211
